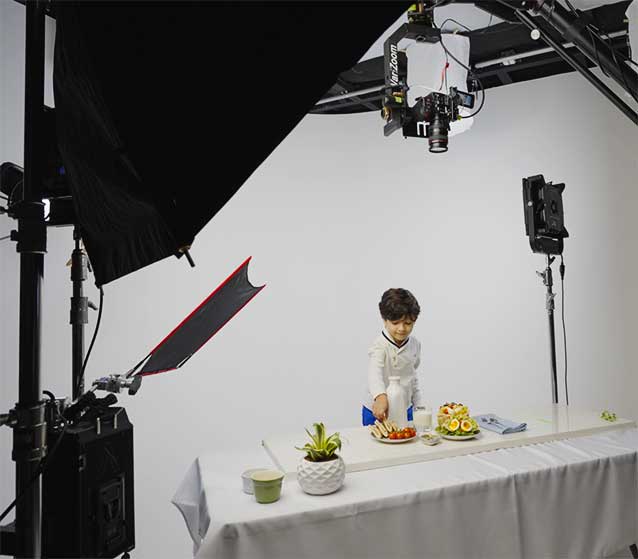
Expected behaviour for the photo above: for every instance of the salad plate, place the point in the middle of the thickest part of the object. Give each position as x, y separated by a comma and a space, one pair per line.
460, 437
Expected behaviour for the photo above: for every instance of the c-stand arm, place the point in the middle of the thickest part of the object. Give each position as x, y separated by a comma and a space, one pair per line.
557, 22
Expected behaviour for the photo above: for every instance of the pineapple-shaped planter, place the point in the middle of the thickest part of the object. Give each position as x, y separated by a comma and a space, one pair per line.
321, 470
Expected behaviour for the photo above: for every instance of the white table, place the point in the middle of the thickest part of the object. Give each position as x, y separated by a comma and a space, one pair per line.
361, 451
568, 498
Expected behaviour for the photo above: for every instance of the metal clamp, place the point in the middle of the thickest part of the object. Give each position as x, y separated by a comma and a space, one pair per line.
117, 383
29, 433
8, 419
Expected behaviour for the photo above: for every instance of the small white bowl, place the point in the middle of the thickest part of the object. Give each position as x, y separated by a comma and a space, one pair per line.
247, 482
434, 438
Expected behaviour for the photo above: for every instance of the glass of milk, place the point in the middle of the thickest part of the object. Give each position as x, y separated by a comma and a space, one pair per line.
422, 417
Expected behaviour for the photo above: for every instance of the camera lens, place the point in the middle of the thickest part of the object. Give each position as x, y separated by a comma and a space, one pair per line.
437, 134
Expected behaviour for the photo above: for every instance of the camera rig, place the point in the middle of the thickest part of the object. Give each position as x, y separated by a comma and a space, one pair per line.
431, 115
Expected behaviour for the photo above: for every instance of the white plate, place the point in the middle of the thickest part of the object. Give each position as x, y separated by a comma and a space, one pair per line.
459, 437
393, 441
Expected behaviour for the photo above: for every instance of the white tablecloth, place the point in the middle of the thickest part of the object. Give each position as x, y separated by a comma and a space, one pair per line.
572, 498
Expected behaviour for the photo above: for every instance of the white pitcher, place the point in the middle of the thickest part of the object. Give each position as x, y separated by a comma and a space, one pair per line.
397, 404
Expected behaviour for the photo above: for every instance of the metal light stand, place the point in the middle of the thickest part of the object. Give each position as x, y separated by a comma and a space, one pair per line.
549, 305
79, 312
27, 418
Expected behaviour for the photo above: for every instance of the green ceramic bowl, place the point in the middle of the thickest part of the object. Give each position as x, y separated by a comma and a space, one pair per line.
267, 485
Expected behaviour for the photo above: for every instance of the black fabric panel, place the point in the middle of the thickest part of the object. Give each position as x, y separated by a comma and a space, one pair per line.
224, 303
165, 108
122, 228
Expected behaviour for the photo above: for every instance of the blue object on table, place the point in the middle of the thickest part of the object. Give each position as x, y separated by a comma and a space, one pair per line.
367, 417
499, 425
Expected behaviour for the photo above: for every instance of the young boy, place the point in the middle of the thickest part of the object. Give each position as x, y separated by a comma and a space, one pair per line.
393, 353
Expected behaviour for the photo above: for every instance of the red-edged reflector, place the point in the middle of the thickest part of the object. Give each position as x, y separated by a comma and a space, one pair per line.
213, 313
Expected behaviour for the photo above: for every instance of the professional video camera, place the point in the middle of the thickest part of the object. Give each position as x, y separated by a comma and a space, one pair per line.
429, 116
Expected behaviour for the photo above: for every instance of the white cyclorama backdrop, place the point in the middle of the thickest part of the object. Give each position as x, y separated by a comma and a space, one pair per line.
334, 217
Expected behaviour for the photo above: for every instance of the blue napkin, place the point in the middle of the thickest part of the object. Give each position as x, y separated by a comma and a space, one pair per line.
499, 425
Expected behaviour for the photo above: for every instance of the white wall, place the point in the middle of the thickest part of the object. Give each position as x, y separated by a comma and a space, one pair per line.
334, 217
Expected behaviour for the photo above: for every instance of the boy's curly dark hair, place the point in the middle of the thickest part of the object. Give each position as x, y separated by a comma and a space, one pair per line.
397, 303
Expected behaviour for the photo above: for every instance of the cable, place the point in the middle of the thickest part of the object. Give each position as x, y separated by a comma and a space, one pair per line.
88, 353
435, 5
457, 22
447, 65
599, 31
43, 463
4, 238
614, 52
470, 72
454, 57
595, 33
571, 7
613, 49
508, 6
489, 24
443, 78
19, 183
562, 310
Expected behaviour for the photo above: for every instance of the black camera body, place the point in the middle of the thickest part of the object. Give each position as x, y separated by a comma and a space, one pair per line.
431, 115
544, 217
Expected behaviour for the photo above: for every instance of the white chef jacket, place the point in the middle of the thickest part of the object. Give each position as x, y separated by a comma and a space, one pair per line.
387, 359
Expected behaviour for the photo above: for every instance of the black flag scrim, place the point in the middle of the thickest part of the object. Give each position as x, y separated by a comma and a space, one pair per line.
164, 109
203, 323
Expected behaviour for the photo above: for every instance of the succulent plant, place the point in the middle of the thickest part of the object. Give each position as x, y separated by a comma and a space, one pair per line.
322, 448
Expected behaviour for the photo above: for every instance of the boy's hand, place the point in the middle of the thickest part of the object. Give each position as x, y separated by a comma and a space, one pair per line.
380, 407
